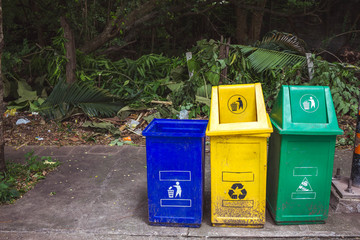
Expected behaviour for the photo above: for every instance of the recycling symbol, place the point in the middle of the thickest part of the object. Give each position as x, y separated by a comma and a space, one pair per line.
237, 191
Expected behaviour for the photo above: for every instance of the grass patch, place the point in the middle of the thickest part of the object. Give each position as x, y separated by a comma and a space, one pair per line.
20, 178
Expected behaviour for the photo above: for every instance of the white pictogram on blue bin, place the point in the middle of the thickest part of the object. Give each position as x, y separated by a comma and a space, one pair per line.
174, 188
171, 191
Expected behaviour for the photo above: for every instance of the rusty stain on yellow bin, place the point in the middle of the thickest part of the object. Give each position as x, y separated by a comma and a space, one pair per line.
238, 130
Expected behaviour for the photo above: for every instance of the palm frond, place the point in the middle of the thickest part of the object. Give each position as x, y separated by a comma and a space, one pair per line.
262, 59
283, 42
91, 100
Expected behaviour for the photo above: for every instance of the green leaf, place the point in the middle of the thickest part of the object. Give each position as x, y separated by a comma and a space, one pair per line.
213, 75
175, 87
149, 118
124, 112
103, 125
281, 41
25, 92
265, 59
203, 100
92, 100
193, 65
204, 91
18, 105
7, 87
222, 63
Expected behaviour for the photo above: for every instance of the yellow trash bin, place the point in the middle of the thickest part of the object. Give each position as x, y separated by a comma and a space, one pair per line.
238, 130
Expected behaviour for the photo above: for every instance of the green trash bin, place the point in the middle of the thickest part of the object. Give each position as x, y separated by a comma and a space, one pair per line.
301, 155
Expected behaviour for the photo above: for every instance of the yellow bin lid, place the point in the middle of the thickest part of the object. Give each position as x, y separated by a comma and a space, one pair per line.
238, 109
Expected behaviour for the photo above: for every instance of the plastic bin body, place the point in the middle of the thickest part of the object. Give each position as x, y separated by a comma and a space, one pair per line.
301, 155
175, 151
238, 180
238, 153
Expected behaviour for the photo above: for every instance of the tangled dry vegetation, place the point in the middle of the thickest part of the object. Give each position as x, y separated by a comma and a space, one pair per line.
69, 132
72, 131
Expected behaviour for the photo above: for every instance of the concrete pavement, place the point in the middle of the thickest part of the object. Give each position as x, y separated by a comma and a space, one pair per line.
100, 192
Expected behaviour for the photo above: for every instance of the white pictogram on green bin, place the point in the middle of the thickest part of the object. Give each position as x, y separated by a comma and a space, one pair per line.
309, 103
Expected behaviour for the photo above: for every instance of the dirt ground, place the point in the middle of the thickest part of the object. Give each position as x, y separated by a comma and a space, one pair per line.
71, 131
68, 132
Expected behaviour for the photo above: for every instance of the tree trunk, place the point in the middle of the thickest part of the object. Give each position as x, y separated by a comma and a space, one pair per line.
37, 23
115, 26
223, 54
249, 22
256, 21
2, 141
70, 51
99, 40
241, 25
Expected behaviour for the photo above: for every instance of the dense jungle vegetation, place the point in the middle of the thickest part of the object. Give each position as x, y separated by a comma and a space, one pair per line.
134, 51
59, 57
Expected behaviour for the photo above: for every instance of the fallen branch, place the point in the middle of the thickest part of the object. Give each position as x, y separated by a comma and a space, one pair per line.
24, 144
162, 102
133, 131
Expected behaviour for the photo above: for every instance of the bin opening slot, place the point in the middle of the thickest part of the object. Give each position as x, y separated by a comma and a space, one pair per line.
175, 129
308, 105
237, 103
187, 128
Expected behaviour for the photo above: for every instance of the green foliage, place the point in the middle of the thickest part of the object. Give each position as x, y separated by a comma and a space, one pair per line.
271, 68
35, 61
283, 42
348, 139
8, 190
149, 73
27, 98
265, 59
20, 178
91, 100
30, 73
156, 77
105, 126
343, 83
36, 165
121, 142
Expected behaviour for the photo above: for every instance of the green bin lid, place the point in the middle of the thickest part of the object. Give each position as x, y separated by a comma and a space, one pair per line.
305, 110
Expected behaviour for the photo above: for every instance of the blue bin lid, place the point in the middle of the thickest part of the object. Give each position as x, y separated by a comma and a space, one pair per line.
175, 128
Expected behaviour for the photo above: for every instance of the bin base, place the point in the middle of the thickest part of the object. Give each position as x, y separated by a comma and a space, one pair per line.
293, 222
190, 225
238, 225
299, 222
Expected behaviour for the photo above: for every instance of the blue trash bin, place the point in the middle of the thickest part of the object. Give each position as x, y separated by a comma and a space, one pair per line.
175, 152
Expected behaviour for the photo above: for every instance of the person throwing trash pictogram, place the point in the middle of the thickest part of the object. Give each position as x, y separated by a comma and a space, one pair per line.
178, 189
312, 102
240, 103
